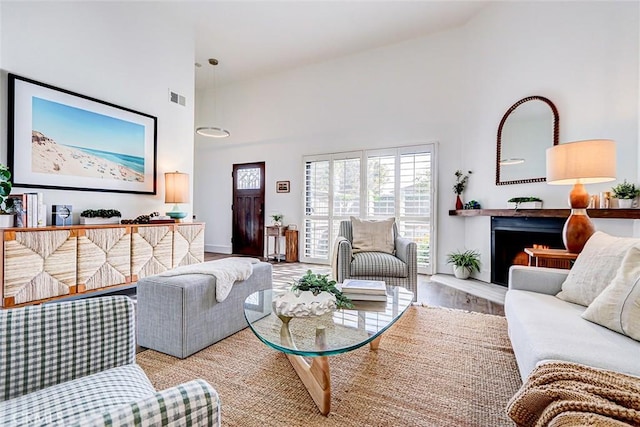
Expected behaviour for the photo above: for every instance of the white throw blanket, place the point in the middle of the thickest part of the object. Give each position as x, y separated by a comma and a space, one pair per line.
226, 271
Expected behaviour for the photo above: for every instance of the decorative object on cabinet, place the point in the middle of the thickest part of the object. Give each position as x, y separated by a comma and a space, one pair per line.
464, 263
54, 262
525, 203
579, 163
59, 214
459, 186
213, 131
176, 191
527, 128
100, 216
6, 202
98, 146
625, 192
283, 186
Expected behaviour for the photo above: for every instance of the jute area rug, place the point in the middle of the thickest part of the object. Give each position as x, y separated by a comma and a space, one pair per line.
434, 367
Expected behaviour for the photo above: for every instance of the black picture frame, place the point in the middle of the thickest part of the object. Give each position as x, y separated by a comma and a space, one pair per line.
60, 139
283, 186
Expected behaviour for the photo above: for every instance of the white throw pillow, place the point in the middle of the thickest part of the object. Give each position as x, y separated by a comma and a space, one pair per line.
595, 267
618, 306
373, 236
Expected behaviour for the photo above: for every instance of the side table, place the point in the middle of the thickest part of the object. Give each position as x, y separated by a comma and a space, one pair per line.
553, 258
276, 232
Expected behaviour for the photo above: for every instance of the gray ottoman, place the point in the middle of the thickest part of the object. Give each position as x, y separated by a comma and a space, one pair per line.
179, 315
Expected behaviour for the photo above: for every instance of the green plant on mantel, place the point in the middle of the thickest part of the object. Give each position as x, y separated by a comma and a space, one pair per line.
317, 283
461, 181
625, 190
518, 200
469, 259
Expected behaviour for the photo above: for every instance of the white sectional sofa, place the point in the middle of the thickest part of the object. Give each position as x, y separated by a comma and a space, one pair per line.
544, 327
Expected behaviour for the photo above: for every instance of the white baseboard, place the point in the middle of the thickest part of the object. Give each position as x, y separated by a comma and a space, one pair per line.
219, 249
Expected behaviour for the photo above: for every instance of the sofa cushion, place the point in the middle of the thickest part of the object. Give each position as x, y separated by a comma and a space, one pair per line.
543, 327
72, 402
618, 306
373, 236
377, 264
595, 267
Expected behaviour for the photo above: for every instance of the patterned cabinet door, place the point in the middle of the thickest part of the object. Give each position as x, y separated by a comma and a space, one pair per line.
151, 249
104, 257
188, 244
38, 265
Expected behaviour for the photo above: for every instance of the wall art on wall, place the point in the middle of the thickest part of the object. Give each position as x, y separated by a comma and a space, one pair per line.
61, 139
282, 186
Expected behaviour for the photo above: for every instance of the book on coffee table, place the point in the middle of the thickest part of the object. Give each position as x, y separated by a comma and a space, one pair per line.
365, 297
364, 287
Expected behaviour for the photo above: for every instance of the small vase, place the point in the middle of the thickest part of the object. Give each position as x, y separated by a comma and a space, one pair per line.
461, 272
459, 204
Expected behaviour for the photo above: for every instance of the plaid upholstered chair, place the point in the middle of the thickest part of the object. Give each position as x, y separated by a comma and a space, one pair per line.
73, 364
398, 266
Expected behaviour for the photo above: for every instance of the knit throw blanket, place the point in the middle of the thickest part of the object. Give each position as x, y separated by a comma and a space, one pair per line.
560, 394
227, 271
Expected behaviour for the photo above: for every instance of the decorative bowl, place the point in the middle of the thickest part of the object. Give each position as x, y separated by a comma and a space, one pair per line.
304, 304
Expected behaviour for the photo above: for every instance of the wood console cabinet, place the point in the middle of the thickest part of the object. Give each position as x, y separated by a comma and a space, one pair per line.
46, 263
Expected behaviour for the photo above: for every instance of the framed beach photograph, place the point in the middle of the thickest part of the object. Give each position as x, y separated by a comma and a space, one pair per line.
282, 186
64, 140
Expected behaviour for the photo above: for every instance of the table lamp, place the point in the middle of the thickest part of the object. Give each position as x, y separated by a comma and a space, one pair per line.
176, 191
579, 163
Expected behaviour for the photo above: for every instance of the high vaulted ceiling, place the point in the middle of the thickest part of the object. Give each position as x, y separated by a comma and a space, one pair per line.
254, 38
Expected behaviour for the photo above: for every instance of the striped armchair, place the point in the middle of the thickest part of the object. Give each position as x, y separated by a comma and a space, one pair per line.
73, 364
400, 269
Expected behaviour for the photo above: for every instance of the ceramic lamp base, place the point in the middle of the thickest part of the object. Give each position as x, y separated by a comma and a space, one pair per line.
176, 214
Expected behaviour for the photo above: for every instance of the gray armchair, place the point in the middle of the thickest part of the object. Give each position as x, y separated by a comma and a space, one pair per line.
400, 269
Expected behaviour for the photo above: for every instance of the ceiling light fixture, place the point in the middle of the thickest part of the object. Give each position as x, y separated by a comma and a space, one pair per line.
213, 131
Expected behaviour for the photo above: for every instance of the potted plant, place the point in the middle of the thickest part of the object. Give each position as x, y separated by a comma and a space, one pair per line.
6, 202
525, 203
277, 219
317, 283
625, 192
464, 263
459, 186
100, 216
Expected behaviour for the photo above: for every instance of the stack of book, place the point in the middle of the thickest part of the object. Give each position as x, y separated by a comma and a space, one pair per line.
364, 290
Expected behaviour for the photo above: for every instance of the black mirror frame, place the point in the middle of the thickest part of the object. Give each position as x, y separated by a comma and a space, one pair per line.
556, 132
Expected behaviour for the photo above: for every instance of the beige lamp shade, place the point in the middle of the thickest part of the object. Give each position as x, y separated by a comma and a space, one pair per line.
585, 162
176, 187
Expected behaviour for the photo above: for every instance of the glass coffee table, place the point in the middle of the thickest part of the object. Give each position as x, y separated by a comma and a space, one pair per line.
318, 337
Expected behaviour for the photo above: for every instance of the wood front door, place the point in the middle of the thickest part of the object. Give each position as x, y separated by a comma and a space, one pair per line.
248, 209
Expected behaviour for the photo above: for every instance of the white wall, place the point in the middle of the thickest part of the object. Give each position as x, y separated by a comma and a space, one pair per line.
452, 87
518, 49
130, 59
379, 98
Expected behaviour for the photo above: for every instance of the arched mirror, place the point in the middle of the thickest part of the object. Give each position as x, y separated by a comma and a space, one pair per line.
527, 129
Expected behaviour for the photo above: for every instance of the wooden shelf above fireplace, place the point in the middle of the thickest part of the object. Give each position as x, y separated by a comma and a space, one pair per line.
549, 213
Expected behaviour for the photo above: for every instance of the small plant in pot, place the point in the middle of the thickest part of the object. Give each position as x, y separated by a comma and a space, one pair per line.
6, 203
464, 263
625, 192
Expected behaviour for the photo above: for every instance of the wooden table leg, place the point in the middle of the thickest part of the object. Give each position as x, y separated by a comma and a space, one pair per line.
316, 379
375, 343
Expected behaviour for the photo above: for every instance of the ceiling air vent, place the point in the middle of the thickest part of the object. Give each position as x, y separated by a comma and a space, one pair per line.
176, 98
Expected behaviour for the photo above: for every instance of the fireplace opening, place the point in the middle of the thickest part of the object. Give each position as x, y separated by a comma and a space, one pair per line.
511, 235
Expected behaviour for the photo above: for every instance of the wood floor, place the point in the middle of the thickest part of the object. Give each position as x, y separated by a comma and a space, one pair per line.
434, 294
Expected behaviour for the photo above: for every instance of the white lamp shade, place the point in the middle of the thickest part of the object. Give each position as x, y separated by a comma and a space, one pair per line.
176, 187
585, 162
